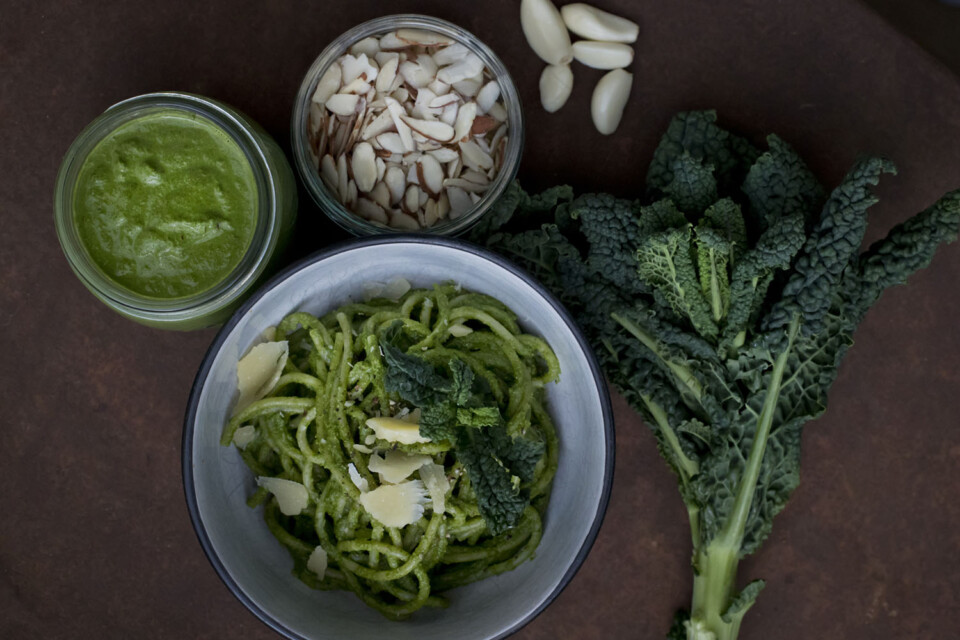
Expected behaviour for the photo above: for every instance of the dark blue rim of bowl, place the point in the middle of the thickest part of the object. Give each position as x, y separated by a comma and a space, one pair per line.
189, 488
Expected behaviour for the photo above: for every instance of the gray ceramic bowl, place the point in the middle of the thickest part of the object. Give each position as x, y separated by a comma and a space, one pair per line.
254, 565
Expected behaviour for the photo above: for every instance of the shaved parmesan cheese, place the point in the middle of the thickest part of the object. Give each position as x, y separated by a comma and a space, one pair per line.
269, 334
412, 416
291, 496
244, 435
364, 448
396, 505
397, 466
317, 562
396, 430
396, 288
435, 479
358, 481
259, 370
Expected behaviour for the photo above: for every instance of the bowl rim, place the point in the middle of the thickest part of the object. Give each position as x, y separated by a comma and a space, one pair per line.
189, 422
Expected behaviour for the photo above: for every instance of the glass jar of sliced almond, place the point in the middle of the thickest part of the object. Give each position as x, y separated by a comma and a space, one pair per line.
407, 123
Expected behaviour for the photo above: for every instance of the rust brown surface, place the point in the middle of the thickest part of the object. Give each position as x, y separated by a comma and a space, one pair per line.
95, 540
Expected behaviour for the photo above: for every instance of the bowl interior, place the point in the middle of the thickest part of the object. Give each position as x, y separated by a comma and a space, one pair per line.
257, 568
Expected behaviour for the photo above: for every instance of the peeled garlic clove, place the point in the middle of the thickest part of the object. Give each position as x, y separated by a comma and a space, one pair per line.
602, 55
594, 24
545, 31
556, 83
609, 99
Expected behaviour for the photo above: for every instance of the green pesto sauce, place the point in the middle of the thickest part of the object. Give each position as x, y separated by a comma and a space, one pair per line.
166, 204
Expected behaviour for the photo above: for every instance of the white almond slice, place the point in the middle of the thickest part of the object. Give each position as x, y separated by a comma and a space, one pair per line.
357, 67
390, 42
545, 31
244, 435
370, 210
364, 164
359, 86
358, 481
343, 179
396, 430
402, 221
396, 505
438, 88
381, 169
449, 113
396, 182
316, 117
435, 480
391, 142
396, 466
430, 173
382, 57
342, 104
453, 169
424, 38
328, 85
291, 496
498, 112
467, 67
369, 47
449, 55
487, 96
475, 157
433, 129
556, 84
371, 291
388, 72
475, 177
424, 198
475, 198
396, 289
317, 562
421, 108
397, 113
460, 201
466, 185
352, 194
593, 24
259, 370
409, 160
443, 206
430, 213
461, 130
381, 195
415, 74
603, 55
439, 102
444, 154
609, 99
328, 172
426, 144
467, 88
411, 199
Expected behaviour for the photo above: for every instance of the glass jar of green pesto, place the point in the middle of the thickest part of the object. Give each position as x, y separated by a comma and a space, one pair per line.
170, 207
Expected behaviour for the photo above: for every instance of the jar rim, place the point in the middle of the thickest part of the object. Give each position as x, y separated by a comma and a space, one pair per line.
310, 177
251, 264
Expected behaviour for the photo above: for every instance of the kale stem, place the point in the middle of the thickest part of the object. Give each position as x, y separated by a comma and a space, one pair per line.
682, 373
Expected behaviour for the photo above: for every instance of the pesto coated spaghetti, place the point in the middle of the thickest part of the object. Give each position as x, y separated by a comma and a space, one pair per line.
427, 412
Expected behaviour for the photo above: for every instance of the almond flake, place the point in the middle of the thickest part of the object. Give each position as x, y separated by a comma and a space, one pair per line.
342, 104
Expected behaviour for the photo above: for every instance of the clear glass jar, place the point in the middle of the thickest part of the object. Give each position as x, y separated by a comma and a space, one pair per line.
328, 201
276, 208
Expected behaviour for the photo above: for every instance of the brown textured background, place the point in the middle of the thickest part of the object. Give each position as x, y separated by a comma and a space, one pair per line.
95, 540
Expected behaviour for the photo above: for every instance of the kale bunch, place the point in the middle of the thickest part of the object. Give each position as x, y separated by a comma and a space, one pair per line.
720, 304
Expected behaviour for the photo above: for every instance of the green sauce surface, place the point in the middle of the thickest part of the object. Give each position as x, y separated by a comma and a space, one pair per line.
166, 204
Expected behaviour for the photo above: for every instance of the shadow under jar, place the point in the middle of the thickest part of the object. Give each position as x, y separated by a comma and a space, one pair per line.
171, 207
399, 147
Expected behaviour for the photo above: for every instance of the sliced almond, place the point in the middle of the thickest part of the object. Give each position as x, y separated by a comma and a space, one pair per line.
498, 111
397, 113
482, 125
390, 42
357, 67
421, 108
396, 183
467, 88
439, 102
423, 38
342, 178
439, 88
430, 174
466, 185
328, 172
467, 67
352, 194
453, 169
381, 169
382, 57
443, 206
409, 159
370, 210
449, 113
381, 123
411, 198
359, 86
450, 54
388, 72
402, 221
342, 104
413, 176
475, 157
435, 130
417, 74
368, 46
460, 202
465, 117
444, 154
364, 165
381, 195
430, 214
328, 85
391, 142
477, 177
487, 96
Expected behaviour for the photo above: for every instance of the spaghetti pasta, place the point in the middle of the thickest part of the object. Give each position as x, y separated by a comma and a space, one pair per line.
312, 429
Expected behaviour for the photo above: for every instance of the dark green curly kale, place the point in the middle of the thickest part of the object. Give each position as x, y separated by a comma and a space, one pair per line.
721, 305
